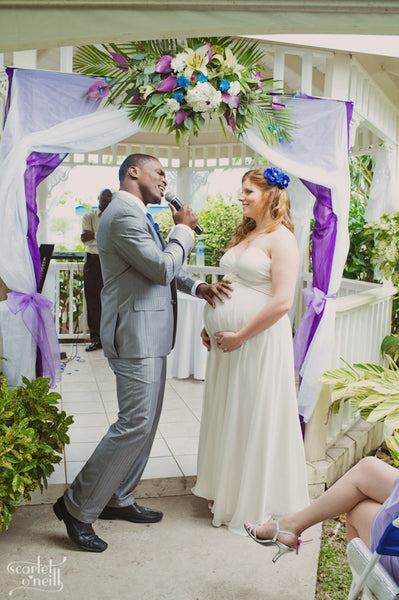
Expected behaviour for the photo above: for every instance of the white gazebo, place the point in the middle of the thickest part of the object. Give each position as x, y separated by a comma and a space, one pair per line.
368, 81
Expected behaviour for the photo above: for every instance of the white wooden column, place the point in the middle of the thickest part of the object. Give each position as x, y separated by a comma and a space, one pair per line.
66, 59
25, 59
278, 69
307, 74
337, 77
183, 185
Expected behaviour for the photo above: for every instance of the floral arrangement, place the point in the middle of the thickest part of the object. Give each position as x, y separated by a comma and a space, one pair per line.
276, 177
176, 85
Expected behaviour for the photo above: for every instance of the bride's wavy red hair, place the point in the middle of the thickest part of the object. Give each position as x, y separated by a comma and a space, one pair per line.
277, 205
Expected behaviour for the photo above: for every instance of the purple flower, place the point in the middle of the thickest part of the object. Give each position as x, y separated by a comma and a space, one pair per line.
168, 84
276, 103
180, 116
182, 81
202, 78
227, 99
120, 61
178, 96
163, 65
230, 120
99, 89
224, 85
258, 78
210, 53
137, 99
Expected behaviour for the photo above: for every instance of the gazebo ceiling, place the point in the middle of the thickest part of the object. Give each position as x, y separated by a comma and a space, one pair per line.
30, 24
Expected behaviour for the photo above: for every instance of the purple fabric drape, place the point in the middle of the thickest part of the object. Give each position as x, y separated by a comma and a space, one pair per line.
10, 75
39, 165
37, 105
323, 243
37, 316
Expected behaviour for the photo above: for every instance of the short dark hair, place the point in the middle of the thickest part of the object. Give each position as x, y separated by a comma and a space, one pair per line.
133, 160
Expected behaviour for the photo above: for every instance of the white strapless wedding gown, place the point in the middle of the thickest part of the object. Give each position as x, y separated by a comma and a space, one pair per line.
251, 459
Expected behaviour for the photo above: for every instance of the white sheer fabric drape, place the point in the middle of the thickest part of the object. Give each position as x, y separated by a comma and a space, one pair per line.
318, 153
383, 196
82, 134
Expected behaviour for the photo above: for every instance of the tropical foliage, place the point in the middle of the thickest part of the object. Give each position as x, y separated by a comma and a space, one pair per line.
385, 254
33, 432
219, 219
374, 391
175, 84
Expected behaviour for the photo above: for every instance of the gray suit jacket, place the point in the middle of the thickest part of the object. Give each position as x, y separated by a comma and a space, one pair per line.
138, 271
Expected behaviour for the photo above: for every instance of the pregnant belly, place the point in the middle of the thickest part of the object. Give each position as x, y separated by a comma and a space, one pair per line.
236, 311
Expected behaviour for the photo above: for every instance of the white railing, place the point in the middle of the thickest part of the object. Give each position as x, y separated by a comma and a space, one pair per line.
70, 313
362, 321
363, 318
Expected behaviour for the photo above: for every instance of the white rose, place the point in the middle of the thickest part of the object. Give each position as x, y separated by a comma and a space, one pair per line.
179, 62
234, 88
172, 104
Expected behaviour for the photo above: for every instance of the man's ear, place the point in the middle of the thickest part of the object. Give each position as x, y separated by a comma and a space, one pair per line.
133, 172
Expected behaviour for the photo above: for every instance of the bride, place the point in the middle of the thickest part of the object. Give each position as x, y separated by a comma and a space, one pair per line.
251, 462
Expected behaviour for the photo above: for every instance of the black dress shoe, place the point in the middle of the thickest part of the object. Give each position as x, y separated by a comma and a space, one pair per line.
82, 534
132, 513
94, 346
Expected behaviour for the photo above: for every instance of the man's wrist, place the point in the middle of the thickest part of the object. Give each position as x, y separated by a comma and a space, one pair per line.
195, 287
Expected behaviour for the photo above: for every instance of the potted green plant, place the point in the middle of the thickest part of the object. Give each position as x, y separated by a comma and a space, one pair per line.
33, 432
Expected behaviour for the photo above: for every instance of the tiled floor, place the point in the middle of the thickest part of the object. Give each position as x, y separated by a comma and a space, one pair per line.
89, 394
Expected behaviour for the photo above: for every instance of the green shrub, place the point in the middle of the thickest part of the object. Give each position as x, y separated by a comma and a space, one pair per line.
385, 253
33, 433
218, 219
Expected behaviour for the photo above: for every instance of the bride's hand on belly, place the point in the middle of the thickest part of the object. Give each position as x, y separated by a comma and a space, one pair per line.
205, 339
228, 341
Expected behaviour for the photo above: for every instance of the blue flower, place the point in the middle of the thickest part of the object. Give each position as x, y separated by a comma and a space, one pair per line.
202, 78
276, 177
224, 85
178, 96
182, 81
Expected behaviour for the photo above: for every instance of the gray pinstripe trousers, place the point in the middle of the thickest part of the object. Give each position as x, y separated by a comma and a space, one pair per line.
116, 465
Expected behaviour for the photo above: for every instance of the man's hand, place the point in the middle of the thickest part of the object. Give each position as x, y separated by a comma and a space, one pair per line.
205, 339
208, 290
184, 216
87, 236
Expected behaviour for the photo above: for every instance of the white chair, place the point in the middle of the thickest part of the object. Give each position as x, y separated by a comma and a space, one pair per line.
378, 584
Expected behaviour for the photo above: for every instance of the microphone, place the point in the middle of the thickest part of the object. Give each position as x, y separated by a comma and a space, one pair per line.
174, 201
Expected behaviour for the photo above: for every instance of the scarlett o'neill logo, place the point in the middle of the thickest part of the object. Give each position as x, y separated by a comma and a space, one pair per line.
36, 575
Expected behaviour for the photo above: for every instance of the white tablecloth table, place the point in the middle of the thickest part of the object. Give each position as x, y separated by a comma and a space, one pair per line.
188, 357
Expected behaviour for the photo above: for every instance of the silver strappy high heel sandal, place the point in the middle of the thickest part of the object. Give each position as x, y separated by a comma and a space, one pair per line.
282, 548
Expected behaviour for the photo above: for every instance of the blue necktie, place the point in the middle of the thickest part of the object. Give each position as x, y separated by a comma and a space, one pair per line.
155, 225
173, 282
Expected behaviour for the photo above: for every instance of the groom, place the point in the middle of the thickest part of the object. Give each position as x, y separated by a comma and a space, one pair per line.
138, 325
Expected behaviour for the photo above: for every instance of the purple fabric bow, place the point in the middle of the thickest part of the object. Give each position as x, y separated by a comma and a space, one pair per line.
315, 301
36, 312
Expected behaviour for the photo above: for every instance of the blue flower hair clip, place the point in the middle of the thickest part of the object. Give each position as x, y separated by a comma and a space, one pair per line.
276, 177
